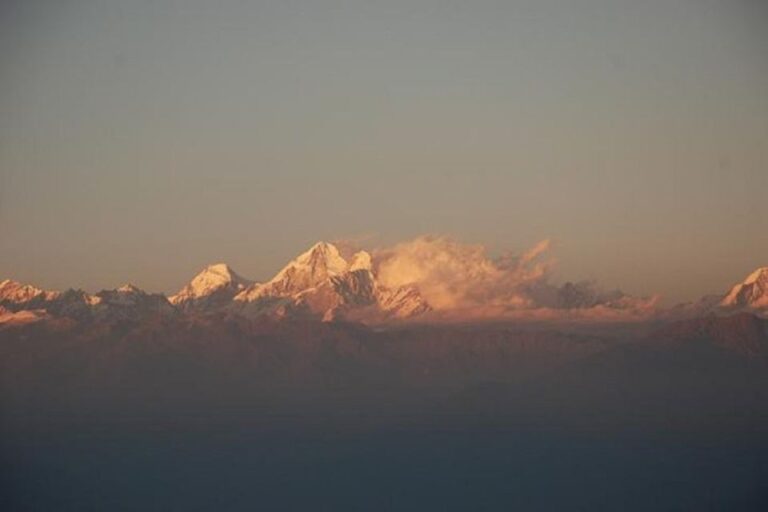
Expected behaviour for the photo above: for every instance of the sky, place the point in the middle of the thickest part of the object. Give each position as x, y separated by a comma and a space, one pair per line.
142, 140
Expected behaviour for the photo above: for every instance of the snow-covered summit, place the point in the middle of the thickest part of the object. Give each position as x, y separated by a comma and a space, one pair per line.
323, 283
213, 279
320, 262
310, 269
129, 289
751, 293
360, 261
13, 291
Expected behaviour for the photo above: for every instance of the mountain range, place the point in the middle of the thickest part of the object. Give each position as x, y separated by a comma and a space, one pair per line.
429, 335
322, 284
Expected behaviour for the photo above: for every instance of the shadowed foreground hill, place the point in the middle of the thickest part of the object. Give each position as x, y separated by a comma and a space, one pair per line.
215, 413
699, 373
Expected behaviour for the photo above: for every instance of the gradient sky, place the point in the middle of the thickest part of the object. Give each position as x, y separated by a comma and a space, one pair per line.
141, 140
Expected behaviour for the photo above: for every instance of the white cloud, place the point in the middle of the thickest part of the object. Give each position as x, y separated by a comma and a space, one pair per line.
462, 280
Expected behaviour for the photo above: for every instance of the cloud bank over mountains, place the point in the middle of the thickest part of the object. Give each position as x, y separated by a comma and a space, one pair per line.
451, 275
463, 281
428, 279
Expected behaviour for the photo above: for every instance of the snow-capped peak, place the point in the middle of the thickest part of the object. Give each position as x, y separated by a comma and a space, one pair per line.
213, 278
322, 257
13, 291
752, 292
129, 288
311, 268
360, 261
760, 274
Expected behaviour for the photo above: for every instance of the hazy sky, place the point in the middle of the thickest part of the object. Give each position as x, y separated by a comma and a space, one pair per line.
140, 140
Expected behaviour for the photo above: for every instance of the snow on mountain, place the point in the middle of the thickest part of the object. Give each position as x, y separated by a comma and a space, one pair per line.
15, 295
361, 261
128, 303
317, 282
309, 270
750, 294
404, 282
402, 302
338, 295
321, 282
128, 295
434, 277
214, 286
24, 303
